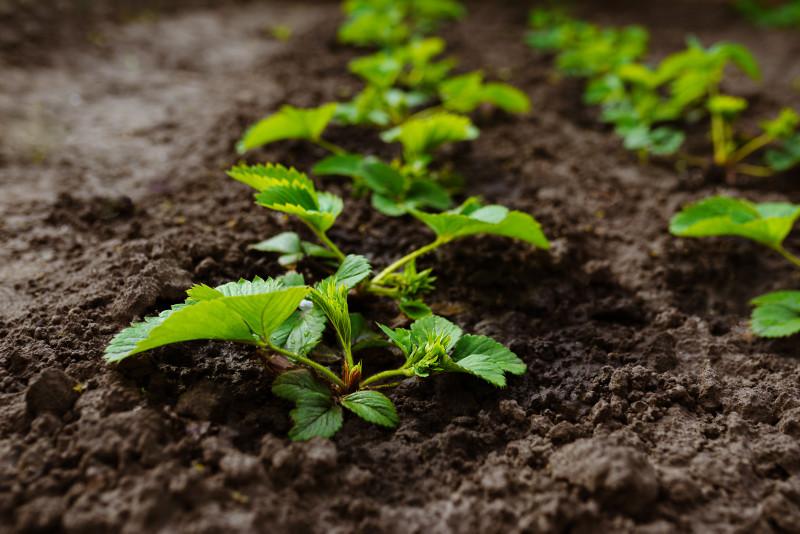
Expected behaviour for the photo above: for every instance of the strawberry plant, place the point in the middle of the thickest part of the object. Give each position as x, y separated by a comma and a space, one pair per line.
776, 314
390, 22
292, 192
286, 319
647, 104
400, 78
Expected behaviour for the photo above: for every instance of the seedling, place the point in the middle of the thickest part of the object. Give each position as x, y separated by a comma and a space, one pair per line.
386, 23
285, 317
584, 49
776, 314
646, 104
290, 191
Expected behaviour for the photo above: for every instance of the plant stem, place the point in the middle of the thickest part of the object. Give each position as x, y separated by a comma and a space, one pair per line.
789, 256
327, 242
386, 374
381, 290
754, 170
407, 258
750, 147
330, 147
718, 138
327, 373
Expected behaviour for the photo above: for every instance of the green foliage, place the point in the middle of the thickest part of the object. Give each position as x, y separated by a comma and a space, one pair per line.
290, 191
249, 314
292, 248
585, 49
396, 190
391, 22
331, 296
768, 223
421, 136
435, 345
464, 93
372, 406
647, 104
301, 331
776, 314
781, 15
317, 414
471, 218
353, 270
286, 317
786, 156
287, 123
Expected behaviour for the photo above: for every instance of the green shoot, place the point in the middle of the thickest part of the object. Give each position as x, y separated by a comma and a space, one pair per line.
421, 136
274, 315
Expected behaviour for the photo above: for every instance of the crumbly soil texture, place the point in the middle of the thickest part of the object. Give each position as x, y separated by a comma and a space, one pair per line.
647, 406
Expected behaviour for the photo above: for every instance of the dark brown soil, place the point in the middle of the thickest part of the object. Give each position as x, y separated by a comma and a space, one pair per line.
647, 406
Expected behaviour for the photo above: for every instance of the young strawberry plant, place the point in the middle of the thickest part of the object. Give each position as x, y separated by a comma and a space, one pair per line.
400, 79
286, 319
386, 23
292, 192
776, 314
648, 104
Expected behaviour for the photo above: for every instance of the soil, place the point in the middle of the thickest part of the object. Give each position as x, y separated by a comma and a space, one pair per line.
647, 406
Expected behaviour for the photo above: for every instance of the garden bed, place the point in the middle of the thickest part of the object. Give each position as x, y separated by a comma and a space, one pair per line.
647, 405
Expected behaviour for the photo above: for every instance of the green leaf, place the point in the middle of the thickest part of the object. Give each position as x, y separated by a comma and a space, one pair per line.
726, 105
400, 337
344, 165
363, 337
506, 97
302, 331
210, 319
288, 123
300, 386
383, 179
776, 314
316, 414
245, 312
245, 287
464, 93
437, 327
783, 125
380, 69
415, 309
290, 191
331, 296
768, 223
373, 407
264, 313
787, 156
292, 248
492, 219
353, 270
421, 136
486, 358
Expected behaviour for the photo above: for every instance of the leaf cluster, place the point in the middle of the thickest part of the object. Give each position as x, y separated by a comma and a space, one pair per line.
648, 104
